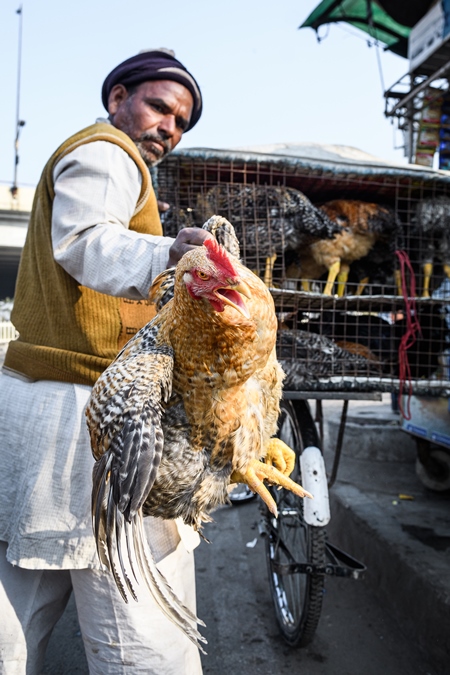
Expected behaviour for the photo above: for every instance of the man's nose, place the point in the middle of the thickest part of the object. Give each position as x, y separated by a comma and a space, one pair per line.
167, 126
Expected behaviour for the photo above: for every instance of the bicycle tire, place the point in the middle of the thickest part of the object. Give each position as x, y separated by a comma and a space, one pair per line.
297, 597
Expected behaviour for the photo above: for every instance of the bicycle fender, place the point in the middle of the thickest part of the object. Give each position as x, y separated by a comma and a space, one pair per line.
314, 479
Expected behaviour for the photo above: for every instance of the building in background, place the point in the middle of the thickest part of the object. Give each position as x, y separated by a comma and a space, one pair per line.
14, 218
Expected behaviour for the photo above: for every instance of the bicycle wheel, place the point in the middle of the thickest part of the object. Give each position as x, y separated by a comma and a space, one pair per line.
297, 596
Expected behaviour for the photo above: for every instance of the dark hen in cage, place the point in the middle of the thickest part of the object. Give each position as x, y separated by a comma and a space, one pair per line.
307, 357
268, 220
381, 335
432, 228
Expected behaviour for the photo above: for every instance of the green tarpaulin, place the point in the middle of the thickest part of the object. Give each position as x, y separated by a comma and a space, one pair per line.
368, 16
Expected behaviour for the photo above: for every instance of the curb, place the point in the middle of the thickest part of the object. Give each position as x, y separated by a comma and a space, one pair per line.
411, 582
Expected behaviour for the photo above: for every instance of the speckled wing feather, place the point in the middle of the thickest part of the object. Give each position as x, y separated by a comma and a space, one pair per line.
124, 419
266, 218
215, 351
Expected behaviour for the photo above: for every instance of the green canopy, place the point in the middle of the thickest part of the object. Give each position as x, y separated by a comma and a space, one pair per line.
368, 16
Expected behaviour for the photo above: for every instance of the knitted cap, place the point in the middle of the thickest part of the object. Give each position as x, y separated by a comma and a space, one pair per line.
154, 64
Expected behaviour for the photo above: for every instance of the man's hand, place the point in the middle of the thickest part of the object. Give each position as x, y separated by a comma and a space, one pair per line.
163, 206
185, 241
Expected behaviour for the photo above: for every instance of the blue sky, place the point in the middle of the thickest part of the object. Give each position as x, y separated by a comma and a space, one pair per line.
263, 80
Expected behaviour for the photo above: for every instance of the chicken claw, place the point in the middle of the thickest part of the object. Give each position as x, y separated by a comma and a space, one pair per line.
280, 456
257, 472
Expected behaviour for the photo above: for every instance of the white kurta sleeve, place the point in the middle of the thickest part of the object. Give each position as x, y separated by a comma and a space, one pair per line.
97, 186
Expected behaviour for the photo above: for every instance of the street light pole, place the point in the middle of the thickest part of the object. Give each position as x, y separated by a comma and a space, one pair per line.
19, 123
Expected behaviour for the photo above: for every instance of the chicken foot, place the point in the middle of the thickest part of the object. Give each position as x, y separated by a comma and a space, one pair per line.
254, 475
398, 282
280, 455
306, 285
268, 271
333, 271
342, 278
427, 272
361, 286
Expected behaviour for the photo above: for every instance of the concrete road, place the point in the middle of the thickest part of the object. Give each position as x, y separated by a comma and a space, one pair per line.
356, 635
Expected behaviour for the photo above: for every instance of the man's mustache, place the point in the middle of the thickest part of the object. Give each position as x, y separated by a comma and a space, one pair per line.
153, 138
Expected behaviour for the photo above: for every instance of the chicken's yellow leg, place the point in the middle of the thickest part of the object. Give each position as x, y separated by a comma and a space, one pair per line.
306, 286
427, 272
268, 272
398, 282
342, 279
333, 271
446, 269
361, 286
254, 475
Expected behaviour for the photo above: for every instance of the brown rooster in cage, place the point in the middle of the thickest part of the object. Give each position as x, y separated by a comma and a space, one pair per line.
364, 224
268, 220
173, 421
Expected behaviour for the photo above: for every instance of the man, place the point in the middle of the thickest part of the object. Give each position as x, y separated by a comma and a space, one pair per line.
94, 245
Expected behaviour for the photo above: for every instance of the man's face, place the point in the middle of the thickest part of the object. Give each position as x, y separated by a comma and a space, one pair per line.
154, 116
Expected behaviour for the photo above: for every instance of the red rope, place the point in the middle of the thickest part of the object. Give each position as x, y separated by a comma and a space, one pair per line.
412, 328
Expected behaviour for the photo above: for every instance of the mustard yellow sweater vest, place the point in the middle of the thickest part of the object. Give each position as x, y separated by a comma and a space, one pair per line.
68, 332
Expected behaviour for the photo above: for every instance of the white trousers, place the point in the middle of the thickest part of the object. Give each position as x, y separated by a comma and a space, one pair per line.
119, 638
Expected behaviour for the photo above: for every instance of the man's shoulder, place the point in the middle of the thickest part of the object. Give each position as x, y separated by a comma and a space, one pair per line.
99, 131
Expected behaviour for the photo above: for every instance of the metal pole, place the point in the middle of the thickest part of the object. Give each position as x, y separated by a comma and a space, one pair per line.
19, 123
410, 108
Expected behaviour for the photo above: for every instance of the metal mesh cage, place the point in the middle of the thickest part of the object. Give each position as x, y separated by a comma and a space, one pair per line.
382, 324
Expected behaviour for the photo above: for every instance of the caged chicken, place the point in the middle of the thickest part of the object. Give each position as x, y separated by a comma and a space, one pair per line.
382, 338
268, 220
379, 269
307, 357
174, 420
432, 228
364, 224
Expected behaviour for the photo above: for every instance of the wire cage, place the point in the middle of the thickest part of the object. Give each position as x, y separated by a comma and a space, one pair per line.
356, 254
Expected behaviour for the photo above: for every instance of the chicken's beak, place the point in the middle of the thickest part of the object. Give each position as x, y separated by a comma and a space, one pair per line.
232, 295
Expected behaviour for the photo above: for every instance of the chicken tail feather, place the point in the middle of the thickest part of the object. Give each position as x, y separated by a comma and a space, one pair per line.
122, 548
161, 591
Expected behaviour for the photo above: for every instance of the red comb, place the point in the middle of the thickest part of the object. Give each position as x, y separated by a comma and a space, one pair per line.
218, 255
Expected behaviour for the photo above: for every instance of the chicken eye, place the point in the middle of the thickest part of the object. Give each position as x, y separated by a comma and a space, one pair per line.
203, 275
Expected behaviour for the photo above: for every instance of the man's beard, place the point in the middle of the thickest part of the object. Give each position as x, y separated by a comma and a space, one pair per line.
151, 157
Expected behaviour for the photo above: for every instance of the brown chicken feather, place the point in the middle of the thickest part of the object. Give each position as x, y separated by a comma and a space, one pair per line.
364, 224
357, 348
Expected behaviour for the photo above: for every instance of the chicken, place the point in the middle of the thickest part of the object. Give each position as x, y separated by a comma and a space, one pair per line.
269, 220
378, 268
375, 335
370, 331
364, 224
307, 357
189, 406
433, 228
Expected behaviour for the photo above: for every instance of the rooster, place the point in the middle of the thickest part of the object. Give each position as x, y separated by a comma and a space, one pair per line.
364, 225
174, 420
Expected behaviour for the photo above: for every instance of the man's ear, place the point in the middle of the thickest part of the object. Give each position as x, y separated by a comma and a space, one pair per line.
117, 96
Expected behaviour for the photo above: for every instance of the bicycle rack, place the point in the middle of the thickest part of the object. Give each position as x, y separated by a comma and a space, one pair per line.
340, 563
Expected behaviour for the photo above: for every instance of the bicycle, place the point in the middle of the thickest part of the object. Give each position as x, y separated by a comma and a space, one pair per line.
299, 555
